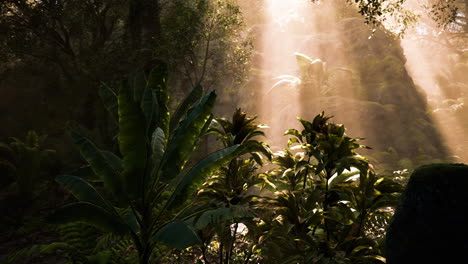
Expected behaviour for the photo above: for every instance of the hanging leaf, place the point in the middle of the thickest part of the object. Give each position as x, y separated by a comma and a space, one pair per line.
91, 214
82, 190
176, 234
193, 178
100, 164
109, 98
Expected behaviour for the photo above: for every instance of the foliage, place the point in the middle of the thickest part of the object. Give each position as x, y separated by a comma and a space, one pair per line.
56, 54
78, 37
25, 163
446, 12
234, 191
390, 162
314, 79
149, 185
202, 40
329, 204
78, 243
53, 248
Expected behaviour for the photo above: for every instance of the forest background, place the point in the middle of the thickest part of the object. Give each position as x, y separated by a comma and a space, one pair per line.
59, 57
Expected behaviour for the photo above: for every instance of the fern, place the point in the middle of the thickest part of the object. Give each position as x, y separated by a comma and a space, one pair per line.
82, 239
55, 248
121, 249
78, 242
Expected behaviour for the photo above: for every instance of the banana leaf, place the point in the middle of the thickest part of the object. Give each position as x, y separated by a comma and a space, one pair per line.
189, 182
91, 214
132, 142
176, 234
100, 164
183, 108
157, 81
82, 190
186, 137
109, 98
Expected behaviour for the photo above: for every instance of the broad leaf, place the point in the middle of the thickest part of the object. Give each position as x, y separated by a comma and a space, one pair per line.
186, 137
114, 161
132, 142
109, 98
90, 214
148, 106
176, 234
255, 146
82, 190
158, 143
190, 181
100, 164
220, 215
157, 81
183, 108
342, 178
131, 220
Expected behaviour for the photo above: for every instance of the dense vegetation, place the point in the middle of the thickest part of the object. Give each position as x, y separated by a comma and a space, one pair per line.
123, 152
321, 203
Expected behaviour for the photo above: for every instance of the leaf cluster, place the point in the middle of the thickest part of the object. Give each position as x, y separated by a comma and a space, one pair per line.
329, 205
147, 184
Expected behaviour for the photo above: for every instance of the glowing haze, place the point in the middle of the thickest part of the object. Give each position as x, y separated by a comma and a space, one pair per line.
364, 81
429, 58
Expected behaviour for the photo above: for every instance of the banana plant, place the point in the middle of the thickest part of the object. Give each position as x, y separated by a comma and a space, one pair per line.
148, 184
313, 79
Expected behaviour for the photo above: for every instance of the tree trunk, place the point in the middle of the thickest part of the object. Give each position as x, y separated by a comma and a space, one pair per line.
144, 25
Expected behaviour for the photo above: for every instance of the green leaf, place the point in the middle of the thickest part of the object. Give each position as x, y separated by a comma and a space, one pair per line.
109, 98
256, 133
293, 132
90, 214
157, 81
186, 137
376, 257
343, 177
306, 124
148, 106
114, 161
103, 257
225, 124
384, 201
82, 190
193, 178
183, 108
216, 128
257, 157
131, 220
100, 163
158, 143
220, 215
176, 234
255, 146
132, 142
